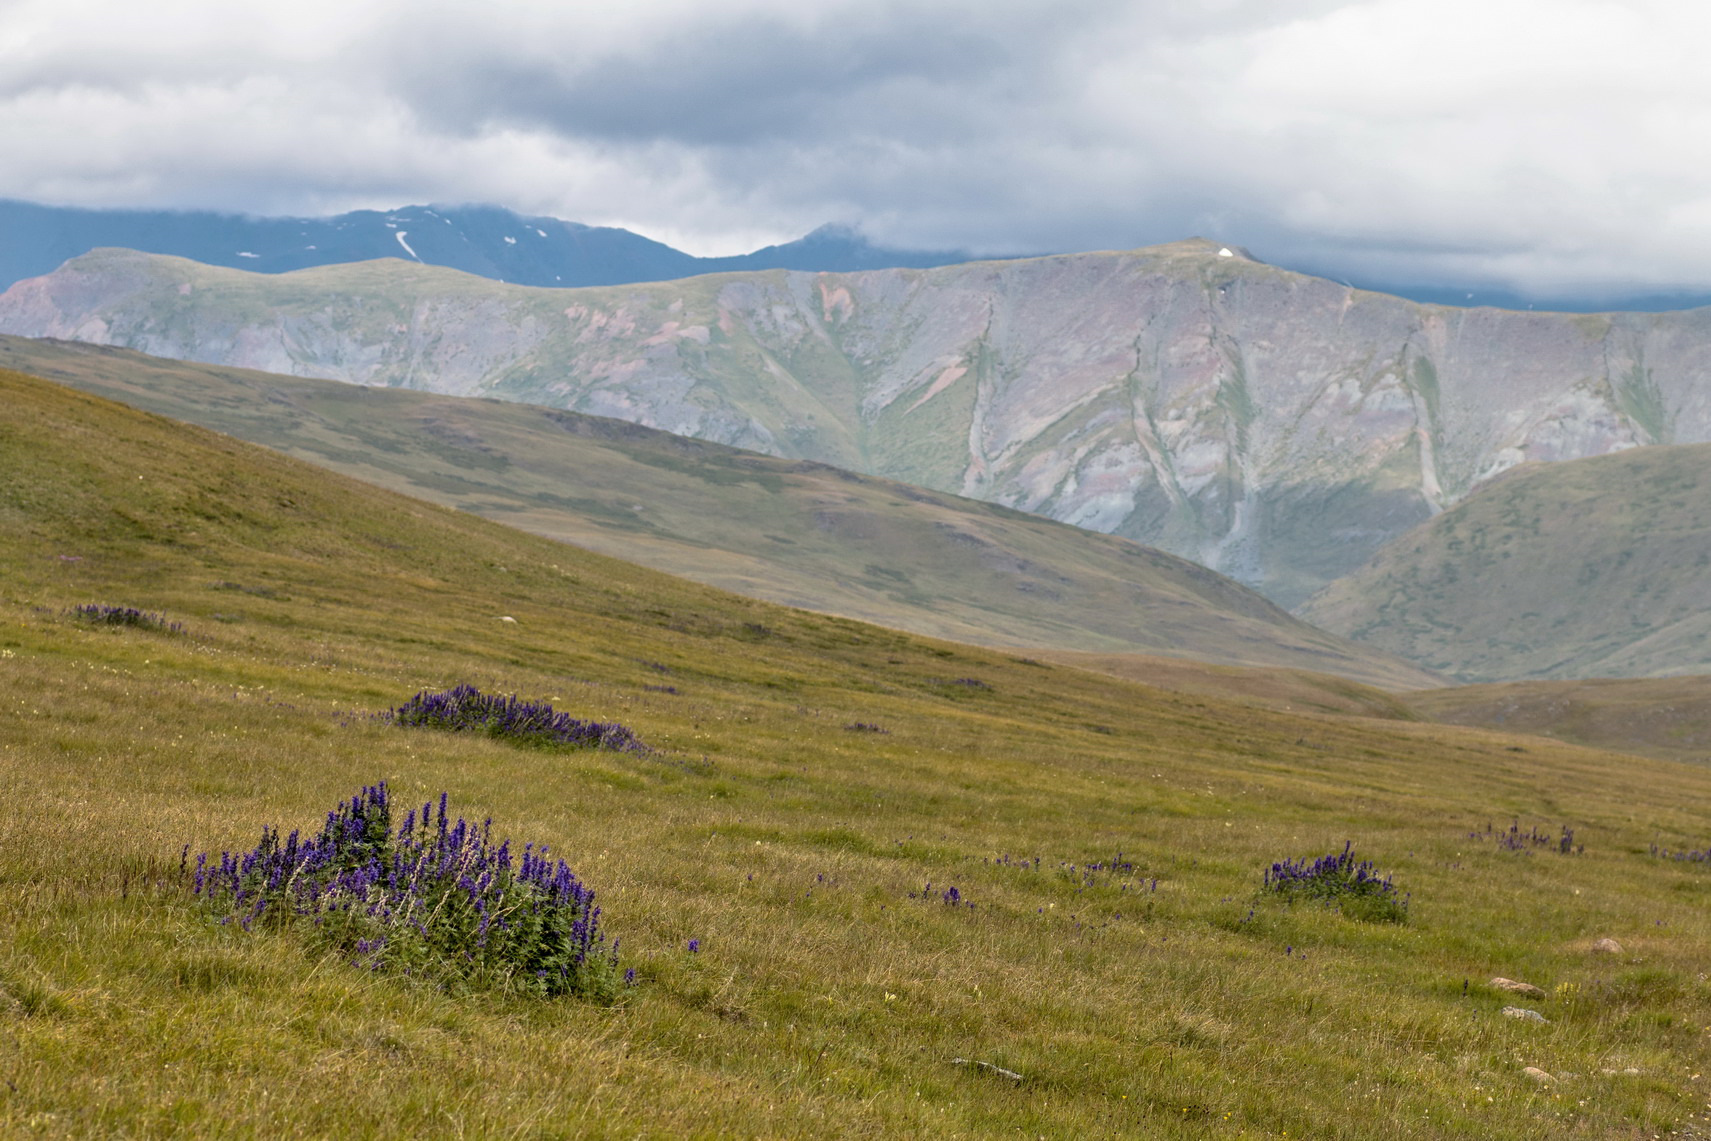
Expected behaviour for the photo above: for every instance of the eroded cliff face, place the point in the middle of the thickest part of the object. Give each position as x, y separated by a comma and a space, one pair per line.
1275, 427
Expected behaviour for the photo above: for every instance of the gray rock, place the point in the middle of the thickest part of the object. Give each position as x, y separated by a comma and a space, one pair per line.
1524, 1014
1607, 946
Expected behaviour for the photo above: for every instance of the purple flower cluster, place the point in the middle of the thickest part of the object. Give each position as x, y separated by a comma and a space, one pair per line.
435, 900
1693, 856
1355, 888
1515, 840
950, 896
510, 718
126, 616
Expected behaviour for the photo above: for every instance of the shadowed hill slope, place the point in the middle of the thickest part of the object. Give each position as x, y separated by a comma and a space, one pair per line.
790, 531
1596, 567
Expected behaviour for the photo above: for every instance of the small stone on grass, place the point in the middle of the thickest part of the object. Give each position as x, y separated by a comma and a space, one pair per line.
1524, 1014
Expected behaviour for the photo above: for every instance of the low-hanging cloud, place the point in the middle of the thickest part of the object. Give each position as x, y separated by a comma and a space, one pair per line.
1543, 146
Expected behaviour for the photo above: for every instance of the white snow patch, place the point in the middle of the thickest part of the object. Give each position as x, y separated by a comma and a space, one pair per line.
542, 233
400, 236
509, 240
1226, 253
309, 247
247, 254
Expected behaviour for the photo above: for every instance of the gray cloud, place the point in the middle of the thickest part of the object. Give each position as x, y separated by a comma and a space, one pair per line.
1545, 145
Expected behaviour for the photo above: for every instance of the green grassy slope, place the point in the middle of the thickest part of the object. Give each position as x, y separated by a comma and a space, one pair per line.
788, 531
827, 998
1587, 568
1655, 717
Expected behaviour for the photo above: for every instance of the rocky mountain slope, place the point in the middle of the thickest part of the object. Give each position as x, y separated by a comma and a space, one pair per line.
1596, 568
784, 530
484, 240
1276, 427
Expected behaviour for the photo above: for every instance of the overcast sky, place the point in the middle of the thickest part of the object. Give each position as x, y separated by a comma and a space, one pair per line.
1553, 146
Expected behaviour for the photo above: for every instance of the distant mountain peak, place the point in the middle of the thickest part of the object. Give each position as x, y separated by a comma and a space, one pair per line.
486, 240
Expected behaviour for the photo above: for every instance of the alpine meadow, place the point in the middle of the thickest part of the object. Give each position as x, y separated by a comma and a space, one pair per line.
850, 881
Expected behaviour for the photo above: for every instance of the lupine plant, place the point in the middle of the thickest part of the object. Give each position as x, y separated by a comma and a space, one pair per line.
467, 709
102, 615
1514, 840
1691, 856
435, 900
1336, 880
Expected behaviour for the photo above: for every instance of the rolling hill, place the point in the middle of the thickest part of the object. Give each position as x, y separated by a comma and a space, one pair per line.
1594, 568
790, 531
1275, 427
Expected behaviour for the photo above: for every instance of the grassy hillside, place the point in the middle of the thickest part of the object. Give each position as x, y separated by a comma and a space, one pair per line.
832, 993
1587, 568
1655, 717
784, 530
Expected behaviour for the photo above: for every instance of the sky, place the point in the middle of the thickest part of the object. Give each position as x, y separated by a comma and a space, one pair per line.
1549, 147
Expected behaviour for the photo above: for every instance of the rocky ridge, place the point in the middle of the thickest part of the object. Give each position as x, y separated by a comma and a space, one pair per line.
1276, 427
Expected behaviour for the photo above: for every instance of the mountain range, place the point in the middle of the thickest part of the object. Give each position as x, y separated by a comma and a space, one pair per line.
484, 240
1275, 427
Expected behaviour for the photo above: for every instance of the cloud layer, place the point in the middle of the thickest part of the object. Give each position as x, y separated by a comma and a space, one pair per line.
1553, 146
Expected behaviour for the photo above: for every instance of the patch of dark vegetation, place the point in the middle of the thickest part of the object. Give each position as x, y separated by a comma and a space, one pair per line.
1691, 856
100, 615
466, 709
660, 688
1512, 839
865, 727
1338, 882
435, 901
965, 682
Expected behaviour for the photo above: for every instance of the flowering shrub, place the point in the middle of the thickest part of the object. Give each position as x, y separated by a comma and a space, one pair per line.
1357, 890
466, 708
434, 900
126, 616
